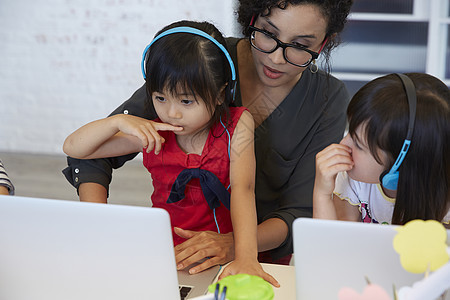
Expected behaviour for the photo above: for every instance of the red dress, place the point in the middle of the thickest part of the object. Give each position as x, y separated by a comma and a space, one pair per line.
192, 212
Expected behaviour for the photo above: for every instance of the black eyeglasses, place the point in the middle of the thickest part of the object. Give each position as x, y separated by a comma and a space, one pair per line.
294, 54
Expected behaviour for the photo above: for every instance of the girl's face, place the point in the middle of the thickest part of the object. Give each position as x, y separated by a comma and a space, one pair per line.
298, 24
183, 110
366, 168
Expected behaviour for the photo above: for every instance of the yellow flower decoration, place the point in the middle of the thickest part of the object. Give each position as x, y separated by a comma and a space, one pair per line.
421, 245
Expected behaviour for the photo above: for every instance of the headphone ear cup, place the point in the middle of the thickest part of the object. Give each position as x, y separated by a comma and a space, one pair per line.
389, 180
233, 84
230, 90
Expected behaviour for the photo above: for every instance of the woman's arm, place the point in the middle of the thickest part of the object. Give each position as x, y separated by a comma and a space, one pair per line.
271, 234
93, 192
92, 177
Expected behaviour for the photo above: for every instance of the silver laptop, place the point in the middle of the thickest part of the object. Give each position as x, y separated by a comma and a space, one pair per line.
197, 284
56, 249
330, 255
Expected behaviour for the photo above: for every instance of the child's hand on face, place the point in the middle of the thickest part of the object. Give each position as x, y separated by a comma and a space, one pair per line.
329, 162
145, 130
251, 267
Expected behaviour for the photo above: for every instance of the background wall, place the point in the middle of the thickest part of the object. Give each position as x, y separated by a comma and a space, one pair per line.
64, 63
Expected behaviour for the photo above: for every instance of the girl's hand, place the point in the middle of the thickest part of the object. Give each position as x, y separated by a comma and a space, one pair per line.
248, 266
329, 162
145, 130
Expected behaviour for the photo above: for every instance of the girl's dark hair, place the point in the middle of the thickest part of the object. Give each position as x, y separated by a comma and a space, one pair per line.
191, 62
381, 106
334, 11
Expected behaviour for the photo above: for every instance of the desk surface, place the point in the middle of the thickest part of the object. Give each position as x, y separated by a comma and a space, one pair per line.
286, 277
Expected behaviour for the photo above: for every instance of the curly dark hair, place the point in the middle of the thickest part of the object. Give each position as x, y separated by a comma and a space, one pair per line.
334, 11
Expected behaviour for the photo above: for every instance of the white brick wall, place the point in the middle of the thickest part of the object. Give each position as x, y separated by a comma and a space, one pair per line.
64, 63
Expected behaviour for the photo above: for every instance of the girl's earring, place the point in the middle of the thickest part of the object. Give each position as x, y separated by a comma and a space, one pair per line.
313, 67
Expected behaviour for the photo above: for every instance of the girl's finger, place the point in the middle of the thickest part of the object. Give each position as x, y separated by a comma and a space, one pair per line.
324, 165
334, 150
158, 142
166, 127
154, 135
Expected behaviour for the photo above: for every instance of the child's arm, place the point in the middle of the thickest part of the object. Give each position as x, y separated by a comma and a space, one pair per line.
243, 209
329, 162
114, 136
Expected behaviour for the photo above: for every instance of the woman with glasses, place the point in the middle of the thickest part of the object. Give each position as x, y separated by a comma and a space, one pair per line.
298, 111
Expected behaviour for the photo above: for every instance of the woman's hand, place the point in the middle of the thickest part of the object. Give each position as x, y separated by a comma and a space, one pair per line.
218, 248
248, 266
145, 130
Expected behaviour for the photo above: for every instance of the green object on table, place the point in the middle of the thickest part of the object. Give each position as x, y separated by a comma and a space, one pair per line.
244, 287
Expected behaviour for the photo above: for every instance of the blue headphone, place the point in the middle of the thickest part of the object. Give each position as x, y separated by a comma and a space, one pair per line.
389, 179
185, 29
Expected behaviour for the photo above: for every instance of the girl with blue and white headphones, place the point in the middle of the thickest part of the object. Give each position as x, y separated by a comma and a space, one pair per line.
199, 151
393, 166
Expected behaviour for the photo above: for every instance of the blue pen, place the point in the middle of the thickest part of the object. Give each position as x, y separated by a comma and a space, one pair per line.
216, 292
224, 291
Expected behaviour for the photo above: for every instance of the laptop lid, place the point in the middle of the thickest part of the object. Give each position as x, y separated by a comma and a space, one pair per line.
56, 249
330, 255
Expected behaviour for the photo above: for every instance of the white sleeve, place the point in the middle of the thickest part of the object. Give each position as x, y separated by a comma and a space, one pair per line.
347, 189
447, 218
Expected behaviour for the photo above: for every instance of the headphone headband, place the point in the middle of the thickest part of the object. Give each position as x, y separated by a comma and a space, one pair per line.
390, 180
185, 29
412, 102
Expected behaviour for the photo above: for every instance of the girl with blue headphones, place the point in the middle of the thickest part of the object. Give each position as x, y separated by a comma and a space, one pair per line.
393, 166
199, 151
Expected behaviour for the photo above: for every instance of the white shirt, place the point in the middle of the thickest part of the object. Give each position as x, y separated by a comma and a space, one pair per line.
374, 205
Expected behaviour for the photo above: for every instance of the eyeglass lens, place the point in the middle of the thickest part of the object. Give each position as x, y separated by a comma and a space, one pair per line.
268, 44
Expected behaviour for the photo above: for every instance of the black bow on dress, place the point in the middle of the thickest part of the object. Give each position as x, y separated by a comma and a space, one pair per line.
212, 188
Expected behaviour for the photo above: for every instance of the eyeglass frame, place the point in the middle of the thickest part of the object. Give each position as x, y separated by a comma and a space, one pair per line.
314, 55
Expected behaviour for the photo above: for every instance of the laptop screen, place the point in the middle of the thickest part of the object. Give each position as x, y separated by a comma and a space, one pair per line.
330, 255
56, 249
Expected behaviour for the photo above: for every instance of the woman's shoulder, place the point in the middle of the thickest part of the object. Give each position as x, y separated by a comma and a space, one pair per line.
321, 90
335, 90
232, 41
324, 78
